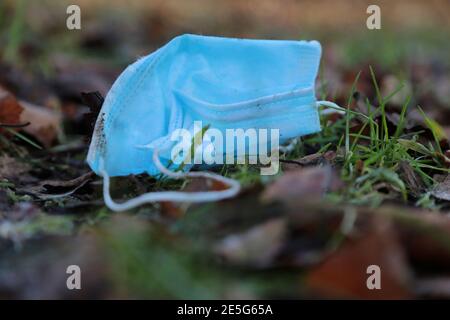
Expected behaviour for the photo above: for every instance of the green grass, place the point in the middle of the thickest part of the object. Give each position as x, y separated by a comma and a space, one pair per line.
379, 152
371, 157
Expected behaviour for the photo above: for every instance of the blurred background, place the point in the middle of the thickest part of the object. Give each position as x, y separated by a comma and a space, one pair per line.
412, 43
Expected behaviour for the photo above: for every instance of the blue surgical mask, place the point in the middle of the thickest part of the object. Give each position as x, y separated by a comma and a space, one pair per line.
224, 83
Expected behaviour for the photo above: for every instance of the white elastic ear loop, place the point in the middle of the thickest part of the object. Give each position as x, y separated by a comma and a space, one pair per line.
333, 107
290, 146
173, 196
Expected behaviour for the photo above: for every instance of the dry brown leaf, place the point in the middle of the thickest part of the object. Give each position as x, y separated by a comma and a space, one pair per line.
311, 159
308, 183
177, 210
442, 190
172, 209
45, 124
344, 273
426, 238
10, 109
389, 84
411, 179
202, 184
256, 247
51, 189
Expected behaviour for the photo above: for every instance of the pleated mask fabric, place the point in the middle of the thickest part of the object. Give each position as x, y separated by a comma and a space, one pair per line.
225, 83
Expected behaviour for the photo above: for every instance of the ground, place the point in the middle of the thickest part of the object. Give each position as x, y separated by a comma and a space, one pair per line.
371, 189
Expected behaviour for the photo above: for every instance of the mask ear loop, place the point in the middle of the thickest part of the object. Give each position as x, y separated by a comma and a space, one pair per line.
333, 107
173, 196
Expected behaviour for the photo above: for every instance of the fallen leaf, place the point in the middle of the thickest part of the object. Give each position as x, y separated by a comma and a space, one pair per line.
411, 179
307, 183
425, 237
395, 119
344, 273
256, 247
389, 84
52, 189
45, 124
311, 159
442, 190
10, 109
415, 146
177, 210
202, 184
172, 209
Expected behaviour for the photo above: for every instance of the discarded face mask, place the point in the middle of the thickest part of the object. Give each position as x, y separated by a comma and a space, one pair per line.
225, 83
